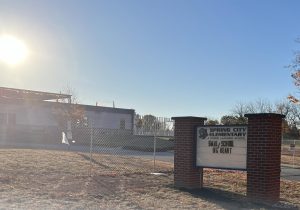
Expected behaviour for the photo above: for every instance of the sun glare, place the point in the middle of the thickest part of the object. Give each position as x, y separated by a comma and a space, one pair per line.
12, 50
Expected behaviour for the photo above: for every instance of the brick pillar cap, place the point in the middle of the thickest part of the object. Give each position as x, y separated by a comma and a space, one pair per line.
265, 115
189, 118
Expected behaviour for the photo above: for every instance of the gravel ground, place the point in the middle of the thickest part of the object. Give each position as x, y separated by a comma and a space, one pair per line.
41, 179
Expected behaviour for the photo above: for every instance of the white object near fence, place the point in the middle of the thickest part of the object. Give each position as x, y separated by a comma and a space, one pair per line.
64, 139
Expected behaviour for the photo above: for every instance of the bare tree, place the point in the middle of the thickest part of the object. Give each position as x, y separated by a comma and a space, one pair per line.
290, 110
260, 106
68, 110
295, 68
283, 107
240, 109
294, 115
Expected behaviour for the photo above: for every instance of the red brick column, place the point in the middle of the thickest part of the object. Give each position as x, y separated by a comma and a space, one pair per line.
186, 175
264, 156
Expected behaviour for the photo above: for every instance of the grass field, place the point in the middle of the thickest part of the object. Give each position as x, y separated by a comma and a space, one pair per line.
40, 179
288, 159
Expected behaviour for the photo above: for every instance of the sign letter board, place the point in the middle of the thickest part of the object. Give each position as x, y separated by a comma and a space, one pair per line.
222, 146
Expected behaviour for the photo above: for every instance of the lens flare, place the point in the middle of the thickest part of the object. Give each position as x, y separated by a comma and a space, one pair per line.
12, 50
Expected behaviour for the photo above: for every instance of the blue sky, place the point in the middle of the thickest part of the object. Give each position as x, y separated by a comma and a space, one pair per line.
167, 58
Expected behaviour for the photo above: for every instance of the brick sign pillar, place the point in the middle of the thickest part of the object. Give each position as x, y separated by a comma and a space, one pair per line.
263, 156
186, 175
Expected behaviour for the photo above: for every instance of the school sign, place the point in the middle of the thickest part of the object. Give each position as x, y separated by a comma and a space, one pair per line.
222, 147
255, 148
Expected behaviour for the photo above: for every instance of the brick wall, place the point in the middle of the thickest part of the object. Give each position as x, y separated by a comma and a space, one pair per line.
263, 156
186, 175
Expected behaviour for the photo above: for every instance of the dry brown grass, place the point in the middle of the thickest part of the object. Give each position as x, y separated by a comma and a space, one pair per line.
39, 179
285, 150
288, 159
236, 181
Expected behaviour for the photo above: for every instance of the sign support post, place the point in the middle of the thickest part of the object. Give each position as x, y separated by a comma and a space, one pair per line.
186, 175
264, 156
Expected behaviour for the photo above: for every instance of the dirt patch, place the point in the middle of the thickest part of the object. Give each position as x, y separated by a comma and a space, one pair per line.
40, 179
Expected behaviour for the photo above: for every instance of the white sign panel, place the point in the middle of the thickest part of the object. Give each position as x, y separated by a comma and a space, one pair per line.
222, 146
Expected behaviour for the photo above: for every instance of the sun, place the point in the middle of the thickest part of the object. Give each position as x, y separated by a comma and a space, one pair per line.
12, 50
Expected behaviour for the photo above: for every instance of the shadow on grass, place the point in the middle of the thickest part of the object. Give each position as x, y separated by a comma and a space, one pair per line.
87, 157
230, 200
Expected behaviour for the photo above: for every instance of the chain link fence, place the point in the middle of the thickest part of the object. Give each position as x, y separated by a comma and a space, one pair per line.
146, 148
290, 147
290, 150
151, 125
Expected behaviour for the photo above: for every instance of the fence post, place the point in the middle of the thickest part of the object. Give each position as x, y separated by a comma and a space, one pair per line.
91, 147
294, 151
154, 146
154, 153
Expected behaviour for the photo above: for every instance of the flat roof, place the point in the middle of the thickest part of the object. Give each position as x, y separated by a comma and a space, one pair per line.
14, 93
107, 109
